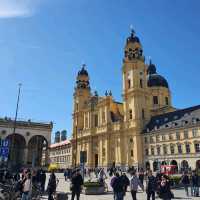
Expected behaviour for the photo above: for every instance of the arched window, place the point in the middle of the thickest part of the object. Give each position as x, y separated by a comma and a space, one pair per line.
129, 83
141, 83
130, 114
166, 101
131, 153
143, 114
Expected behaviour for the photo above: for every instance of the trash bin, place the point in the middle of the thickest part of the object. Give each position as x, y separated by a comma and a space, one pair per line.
61, 196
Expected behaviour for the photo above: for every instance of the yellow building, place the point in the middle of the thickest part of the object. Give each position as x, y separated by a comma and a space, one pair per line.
129, 133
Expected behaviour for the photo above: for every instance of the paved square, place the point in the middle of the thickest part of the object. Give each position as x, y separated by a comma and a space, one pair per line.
63, 186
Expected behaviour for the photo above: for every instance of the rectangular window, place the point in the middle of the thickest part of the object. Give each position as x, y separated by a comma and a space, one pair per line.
157, 138
151, 139
155, 100
130, 114
103, 117
163, 138
158, 150
143, 114
177, 135
194, 132
146, 152
197, 148
166, 101
103, 152
187, 148
179, 148
76, 106
186, 134
165, 150
86, 122
145, 140
96, 120
152, 151
172, 149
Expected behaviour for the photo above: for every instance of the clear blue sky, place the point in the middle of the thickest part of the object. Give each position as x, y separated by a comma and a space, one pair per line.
44, 42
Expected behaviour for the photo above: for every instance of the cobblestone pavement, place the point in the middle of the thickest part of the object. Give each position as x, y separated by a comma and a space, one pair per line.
63, 186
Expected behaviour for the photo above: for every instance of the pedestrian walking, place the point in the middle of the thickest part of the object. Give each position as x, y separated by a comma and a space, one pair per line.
117, 185
134, 183
76, 184
51, 188
43, 180
151, 186
125, 181
194, 184
141, 176
65, 174
102, 176
186, 182
164, 188
26, 187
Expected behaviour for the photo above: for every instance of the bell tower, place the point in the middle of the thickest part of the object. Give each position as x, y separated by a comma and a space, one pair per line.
81, 97
135, 96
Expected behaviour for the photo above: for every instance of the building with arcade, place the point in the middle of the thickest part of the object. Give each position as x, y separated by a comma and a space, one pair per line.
26, 142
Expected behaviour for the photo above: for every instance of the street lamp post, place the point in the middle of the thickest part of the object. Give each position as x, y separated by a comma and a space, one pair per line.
15, 124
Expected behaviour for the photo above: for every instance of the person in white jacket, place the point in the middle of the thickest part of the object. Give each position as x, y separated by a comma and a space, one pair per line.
134, 183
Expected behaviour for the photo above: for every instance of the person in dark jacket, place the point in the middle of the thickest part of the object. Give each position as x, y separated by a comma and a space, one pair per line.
194, 184
51, 186
118, 187
125, 181
186, 182
151, 185
141, 175
76, 184
164, 189
43, 180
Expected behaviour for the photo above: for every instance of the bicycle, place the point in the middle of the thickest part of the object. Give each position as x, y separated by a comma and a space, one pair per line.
8, 192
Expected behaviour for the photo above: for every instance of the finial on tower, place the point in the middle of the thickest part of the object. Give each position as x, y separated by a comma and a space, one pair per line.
83, 65
132, 31
150, 60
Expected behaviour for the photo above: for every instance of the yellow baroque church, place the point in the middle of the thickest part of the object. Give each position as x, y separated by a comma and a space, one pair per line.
145, 130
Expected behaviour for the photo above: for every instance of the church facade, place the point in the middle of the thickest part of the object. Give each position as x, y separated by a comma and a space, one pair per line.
145, 130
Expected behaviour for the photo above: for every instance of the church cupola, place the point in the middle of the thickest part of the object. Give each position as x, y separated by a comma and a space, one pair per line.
154, 79
133, 48
82, 80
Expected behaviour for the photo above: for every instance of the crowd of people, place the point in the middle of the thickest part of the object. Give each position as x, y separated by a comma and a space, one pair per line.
30, 181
